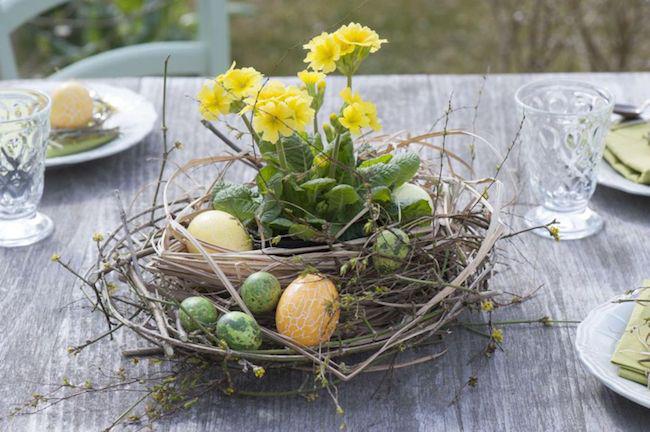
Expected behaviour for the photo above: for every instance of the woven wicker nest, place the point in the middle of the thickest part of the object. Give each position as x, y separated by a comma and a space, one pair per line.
446, 272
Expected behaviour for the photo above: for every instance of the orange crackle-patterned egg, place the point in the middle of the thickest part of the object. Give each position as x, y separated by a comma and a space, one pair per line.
308, 310
72, 106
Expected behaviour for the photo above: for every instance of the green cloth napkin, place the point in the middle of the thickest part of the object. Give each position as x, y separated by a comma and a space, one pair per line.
628, 151
637, 331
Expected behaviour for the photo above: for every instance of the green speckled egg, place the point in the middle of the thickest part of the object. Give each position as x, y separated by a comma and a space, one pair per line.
240, 331
261, 292
199, 308
391, 248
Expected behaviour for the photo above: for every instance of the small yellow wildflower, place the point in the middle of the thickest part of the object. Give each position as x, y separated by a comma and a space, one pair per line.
355, 35
354, 118
259, 371
497, 335
240, 83
310, 78
554, 231
324, 51
214, 101
55, 257
230, 391
272, 120
97, 237
487, 305
302, 112
370, 110
350, 97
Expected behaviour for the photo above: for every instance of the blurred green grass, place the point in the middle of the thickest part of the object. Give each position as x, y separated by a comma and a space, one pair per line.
425, 36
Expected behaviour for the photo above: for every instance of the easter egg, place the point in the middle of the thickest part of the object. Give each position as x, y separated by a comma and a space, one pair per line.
240, 331
72, 106
308, 310
390, 249
261, 292
414, 201
220, 229
195, 309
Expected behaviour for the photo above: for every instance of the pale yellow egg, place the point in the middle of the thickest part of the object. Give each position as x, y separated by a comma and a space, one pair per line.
220, 229
72, 106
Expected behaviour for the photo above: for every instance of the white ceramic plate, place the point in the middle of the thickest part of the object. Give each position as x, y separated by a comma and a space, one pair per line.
596, 340
607, 176
134, 115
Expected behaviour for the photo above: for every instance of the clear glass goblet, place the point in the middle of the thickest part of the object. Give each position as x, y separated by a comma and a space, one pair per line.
563, 138
24, 132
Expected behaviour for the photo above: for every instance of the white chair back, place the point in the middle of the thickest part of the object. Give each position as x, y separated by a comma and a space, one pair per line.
209, 54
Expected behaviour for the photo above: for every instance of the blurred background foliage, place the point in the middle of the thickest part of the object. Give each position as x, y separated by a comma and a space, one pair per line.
426, 36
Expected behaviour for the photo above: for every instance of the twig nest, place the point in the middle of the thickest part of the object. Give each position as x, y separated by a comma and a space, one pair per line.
72, 106
220, 229
261, 292
308, 310
390, 249
240, 331
195, 310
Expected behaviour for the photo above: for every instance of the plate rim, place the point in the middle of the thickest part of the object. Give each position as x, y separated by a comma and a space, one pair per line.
147, 126
616, 384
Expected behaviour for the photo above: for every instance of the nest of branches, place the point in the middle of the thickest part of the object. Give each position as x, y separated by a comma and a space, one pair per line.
445, 273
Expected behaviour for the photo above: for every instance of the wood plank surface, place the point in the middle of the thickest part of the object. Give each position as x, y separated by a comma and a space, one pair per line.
535, 384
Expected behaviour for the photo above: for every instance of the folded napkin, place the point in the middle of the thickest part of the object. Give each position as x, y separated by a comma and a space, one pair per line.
628, 151
635, 341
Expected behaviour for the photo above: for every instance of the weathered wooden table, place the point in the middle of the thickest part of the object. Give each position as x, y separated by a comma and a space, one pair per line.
536, 384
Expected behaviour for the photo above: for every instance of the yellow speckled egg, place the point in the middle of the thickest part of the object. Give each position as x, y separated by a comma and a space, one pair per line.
308, 310
221, 229
72, 106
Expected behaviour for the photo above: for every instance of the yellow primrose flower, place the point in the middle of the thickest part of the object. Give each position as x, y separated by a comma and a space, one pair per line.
241, 83
324, 51
311, 78
370, 110
272, 119
349, 97
354, 118
355, 35
214, 101
303, 113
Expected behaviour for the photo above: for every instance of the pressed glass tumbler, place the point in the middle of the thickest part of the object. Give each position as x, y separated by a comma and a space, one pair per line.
24, 132
563, 138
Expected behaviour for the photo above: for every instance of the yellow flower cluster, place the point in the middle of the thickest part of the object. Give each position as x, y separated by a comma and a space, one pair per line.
326, 49
216, 98
357, 113
280, 110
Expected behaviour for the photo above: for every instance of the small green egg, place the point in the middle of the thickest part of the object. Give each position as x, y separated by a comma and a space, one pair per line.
391, 248
240, 331
197, 309
261, 292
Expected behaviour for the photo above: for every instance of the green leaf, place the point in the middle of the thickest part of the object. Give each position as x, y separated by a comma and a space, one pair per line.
280, 225
298, 153
379, 159
317, 185
269, 179
340, 196
416, 210
303, 232
381, 194
380, 174
408, 164
269, 210
346, 161
236, 199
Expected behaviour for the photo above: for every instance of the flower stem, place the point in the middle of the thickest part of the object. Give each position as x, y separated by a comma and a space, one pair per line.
350, 81
282, 156
335, 156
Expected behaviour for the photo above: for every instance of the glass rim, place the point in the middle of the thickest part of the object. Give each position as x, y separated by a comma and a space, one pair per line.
602, 91
33, 92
